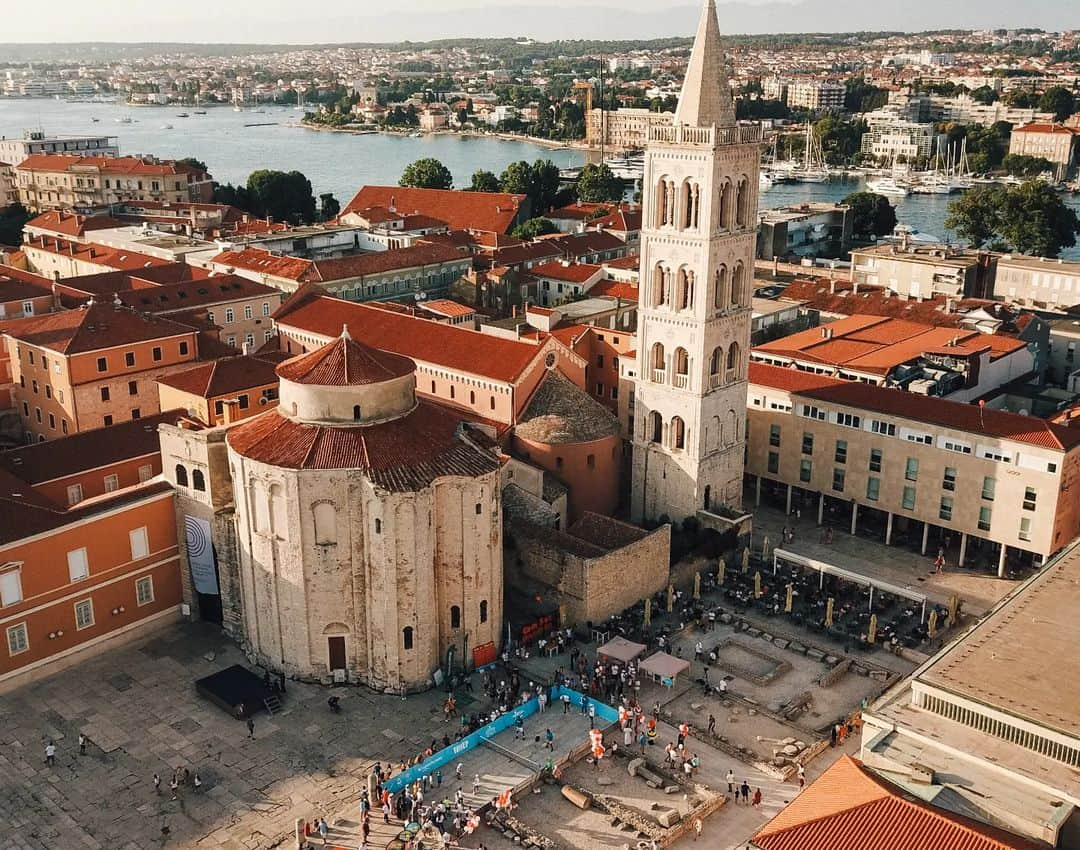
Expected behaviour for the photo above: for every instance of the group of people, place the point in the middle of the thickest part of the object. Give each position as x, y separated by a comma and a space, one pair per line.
736, 791
181, 778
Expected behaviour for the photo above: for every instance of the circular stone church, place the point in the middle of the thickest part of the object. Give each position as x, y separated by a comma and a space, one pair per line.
368, 524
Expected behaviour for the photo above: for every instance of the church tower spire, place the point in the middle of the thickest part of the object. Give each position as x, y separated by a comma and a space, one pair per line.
706, 94
699, 228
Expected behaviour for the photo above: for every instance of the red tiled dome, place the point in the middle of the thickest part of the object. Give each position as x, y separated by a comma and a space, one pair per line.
345, 363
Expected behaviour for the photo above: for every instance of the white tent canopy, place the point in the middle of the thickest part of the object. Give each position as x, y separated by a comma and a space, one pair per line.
621, 649
663, 667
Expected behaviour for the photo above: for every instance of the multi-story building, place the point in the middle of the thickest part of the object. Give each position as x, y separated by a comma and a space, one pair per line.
815, 95
774, 88
14, 151
222, 391
88, 548
929, 469
622, 129
96, 365
1053, 142
64, 258
55, 181
963, 109
898, 141
805, 230
923, 271
1039, 282
493, 212
697, 258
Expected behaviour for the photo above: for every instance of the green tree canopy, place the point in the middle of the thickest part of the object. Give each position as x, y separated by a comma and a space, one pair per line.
484, 181
329, 206
12, 220
535, 227
871, 214
539, 181
984, 95
427, 173
597, 185
1059, 100
285, 196
194, 163
1028, 219
1026, 166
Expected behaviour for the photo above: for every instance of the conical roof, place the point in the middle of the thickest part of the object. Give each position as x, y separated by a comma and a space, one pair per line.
345, 363
706, 95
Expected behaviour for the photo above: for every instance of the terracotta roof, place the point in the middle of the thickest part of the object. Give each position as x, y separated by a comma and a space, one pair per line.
446, 307
225, 376
494, 211
561, 412
17, 285
98, 447
614, 289
121, 259
850, 808
197, 293
523, 252
928, 409
1047, 128
590, 242
630, 263
90, 328
621, 221
68, 223
579, 211
423, 340
571, 272
345, 363
402, 455
104, 164
341, 268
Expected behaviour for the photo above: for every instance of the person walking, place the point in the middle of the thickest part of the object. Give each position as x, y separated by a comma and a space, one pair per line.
757, 798
519, 729
251, 728
323, 830
712, 724
592, 715
549, 740
50, 753
196, 782
731, 784
157, 784
802, 776
173, 785
745, 789
82, 744
698, 826
476, 785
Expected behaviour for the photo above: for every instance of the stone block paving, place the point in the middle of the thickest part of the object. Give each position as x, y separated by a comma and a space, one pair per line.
139, 708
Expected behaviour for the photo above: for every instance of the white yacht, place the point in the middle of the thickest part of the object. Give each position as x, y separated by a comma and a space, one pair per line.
888, 186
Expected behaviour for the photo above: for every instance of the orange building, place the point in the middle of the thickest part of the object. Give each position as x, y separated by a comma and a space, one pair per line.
76, 577
225, 390
91, 367
21, 294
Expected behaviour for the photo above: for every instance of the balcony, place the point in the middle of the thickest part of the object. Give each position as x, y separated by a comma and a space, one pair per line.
682, 381
659, 376
716, 381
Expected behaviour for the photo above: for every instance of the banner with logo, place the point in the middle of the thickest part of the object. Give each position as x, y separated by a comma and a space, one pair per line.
200, 550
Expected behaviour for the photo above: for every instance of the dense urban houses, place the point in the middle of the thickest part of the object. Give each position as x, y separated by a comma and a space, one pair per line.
697, 259
494, 212
88, 547
923, 271
915, 469
55, 181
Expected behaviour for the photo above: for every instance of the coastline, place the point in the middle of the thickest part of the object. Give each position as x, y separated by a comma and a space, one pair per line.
550, 144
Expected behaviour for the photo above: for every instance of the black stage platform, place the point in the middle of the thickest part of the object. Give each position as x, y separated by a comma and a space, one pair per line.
234, 687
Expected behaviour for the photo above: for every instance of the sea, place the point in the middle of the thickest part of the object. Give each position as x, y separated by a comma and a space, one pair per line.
233, 144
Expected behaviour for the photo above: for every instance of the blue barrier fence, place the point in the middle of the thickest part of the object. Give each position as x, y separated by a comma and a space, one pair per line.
500, 724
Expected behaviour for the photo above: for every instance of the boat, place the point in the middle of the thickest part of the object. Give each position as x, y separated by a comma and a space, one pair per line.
182, 115
95, 120
626, 167
200, 111
888, 186
125, 120
812, 169
765, 182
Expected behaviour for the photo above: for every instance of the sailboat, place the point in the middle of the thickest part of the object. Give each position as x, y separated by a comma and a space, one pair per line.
813, 168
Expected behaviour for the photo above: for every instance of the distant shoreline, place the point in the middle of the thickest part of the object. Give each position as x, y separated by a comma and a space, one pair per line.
550, 144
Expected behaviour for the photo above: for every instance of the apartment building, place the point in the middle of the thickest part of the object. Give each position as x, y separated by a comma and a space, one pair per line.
61, 258
805, 230
91, 367
88, 548
1054, 142
815, 94
14, 151
21, 294
223, 391
923, 271
927, 471
55, 181
622, 129
898, 141
1039, 282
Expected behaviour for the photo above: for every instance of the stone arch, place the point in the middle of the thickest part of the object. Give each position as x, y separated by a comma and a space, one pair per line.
335, 629
455, 616
723, 220
658, 361
720, 287
680, 366
682, 288
198, 480
718, 428
659, 293
733, 365
678, 433
732, 429
742, 202
655, 431
716, 366
181, 475
407, 637
279, 521
738, 283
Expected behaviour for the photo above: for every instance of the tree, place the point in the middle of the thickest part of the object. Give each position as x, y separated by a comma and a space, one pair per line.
984, 95
12, 220
329, 206
197, 164
1026, 166
1059, 100
871, 214
597, 185
1027, 219
285, 196
535, 227
539, 181
484, 181
233, 196
427, 173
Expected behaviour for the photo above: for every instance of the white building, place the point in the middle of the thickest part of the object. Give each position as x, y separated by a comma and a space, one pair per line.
889, 140
815, 94
697, 255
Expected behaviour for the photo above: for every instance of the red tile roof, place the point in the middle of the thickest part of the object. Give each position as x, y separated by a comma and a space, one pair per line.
620, 221
341, 268
1047, 128
400, 455
17, 285
225, 376
104, 164
345, 363
446, 307
580, 211
423, 340
206, 292
494, 211
68, 223
571, 272
615, 289
91, 328
850, 808
121, 259
933, 411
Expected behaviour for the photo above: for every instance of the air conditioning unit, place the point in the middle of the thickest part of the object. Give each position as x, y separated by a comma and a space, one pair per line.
263, 400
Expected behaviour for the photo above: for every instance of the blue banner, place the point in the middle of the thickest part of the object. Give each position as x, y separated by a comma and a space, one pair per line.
457, 749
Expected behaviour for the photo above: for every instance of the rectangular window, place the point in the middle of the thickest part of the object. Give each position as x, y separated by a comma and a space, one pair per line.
229, 316
774, 435
911, 469
84, 614
988, 488
242, 401
112, 483
838, 480
10, 588
144, 590
873, 488
949, 481
156, 353
135, 413
248, 312
129, 358
774, 462
1029, 498
805, 470
146, 472
107, 420
812, 412
78, 567
954, 446
74, 494
133, 387
807, 444
848, 420
945, 509
875, 460
183, 348
1025, 528
140, 546
266, 308
17, 639
909, 499
104, 393
984, 519
841, 451
600, 390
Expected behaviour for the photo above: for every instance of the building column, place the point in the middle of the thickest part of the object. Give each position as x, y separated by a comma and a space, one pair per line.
854, 516
888, 530
1001, 561
963, 548
821, 508
787, 511
757, 491
925, 536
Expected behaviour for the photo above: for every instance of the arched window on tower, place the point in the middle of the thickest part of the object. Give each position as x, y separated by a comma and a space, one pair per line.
407, 637
723, 219
658, 362
682, 289
659, 286
716, 367
720, 287
742, 202
707, 500
731, 432
455, 617
678, 433
732, 371
181, 475
483, 610
738, 283
681, 362
656, 427
198, 480
356, 412
325, 517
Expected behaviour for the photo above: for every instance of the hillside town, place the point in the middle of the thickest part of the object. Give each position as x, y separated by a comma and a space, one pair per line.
755, 523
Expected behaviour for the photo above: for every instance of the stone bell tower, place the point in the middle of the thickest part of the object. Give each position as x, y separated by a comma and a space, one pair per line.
697, 260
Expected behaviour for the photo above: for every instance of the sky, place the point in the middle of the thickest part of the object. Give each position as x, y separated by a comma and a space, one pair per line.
281, 21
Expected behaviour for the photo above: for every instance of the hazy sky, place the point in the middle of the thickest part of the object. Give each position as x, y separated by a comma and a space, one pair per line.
349, 20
